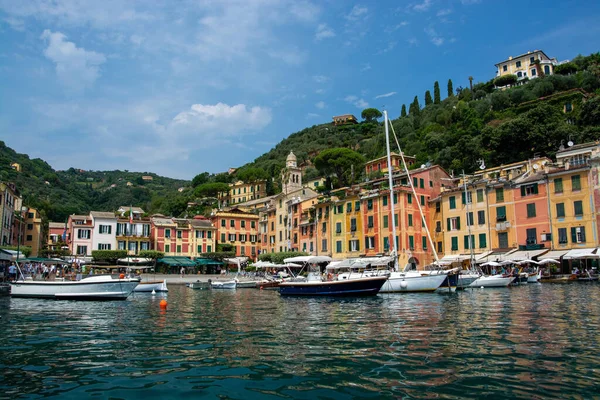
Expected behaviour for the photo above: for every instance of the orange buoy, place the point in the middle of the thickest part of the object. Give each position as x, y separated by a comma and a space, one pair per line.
163, 304
122, 276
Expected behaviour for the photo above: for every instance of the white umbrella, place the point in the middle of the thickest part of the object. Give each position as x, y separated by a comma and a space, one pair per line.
548, 261
526, 262
491, 264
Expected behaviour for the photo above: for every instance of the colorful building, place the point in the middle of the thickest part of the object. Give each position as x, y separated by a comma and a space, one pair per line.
10, 203
241, 192
379, 166
203, 236
524, 65
32, 234
239, 229
79, 235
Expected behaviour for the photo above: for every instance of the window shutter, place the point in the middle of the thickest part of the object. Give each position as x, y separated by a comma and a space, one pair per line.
449, 224
349, 245
535, 188
574, 235
582, 234
522, 191
109, 229
464, 200
457, 222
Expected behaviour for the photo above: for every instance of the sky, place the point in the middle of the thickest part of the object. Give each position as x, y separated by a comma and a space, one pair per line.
179, 87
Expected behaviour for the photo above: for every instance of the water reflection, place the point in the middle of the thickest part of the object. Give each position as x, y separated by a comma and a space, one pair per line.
531, 341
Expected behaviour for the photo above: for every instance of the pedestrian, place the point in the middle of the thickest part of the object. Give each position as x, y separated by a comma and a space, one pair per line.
12, 272
182, 271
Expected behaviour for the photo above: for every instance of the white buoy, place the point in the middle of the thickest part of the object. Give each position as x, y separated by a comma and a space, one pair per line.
153, 291
403, 284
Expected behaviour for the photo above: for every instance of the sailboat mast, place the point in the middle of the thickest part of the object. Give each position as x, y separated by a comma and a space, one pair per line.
391, 184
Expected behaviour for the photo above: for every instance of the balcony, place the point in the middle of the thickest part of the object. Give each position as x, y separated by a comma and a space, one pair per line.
502, 226
531, 246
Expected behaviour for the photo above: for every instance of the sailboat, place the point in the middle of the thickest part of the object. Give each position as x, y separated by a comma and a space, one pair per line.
408, 281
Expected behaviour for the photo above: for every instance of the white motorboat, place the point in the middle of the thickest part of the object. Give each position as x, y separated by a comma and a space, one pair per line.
94, 287
487, 281
465, 278
412, 281
535, 277
232, 284
150, 286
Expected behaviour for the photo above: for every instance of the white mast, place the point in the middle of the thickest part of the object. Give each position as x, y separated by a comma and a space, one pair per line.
391, 184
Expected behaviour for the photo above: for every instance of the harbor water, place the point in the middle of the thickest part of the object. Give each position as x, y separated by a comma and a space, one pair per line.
534, 341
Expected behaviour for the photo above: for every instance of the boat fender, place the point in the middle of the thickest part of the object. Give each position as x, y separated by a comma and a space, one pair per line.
403, 284
163, 304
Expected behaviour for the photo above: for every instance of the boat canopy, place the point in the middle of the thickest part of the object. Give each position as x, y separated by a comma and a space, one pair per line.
521, 255
134, 260
11, 255
582, 253
44, 260
177, 261
308, 259
235, 260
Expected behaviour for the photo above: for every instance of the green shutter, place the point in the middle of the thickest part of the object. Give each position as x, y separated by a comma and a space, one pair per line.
573, 235
455, 243
535, 188
411, 242
464, 199
582, 229
424, 239
522, 191
466, 238
385, 201
452, 202
457, 222
385, 221
449, 224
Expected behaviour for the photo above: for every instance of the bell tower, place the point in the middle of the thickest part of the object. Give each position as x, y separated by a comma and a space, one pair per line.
291, 175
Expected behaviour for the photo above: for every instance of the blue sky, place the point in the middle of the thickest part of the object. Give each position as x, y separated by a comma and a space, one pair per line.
182, 87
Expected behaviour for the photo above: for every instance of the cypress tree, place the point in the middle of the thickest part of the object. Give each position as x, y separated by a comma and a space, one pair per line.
450, 88
403, 112
414, 107
436, 93
428, 99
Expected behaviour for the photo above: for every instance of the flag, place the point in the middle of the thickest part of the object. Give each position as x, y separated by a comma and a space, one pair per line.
131, 214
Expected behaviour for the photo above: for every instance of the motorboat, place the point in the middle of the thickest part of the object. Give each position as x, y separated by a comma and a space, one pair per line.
92, 287
232, 284
487, 281
466, 277
535, 277
413, 281
199, 285
151, 286
247, 284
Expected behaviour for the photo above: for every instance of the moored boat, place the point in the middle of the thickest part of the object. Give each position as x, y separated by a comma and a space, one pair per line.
199, 285
488, 281
94, 287
152, 286
232, 284
368, 286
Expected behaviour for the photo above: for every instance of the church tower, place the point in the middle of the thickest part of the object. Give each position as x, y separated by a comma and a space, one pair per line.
291, 175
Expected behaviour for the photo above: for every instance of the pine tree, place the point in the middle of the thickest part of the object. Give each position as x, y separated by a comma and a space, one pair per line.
403, 112
436, 93
450, 88
428, 99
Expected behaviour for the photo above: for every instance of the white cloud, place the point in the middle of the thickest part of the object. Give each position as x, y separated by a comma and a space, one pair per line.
390, 46
312, 115
354, 100
421, 7
136, 39
324, 32
356, 13
16, 23
214, 121
434, 37
319, 91
444, 12
365, 67
305, 11
412, 41
320, 105
76, 67
469, 2
385, 95
320, 78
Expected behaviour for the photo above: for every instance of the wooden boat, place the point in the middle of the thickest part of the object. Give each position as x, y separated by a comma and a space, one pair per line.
268, 284
150, 286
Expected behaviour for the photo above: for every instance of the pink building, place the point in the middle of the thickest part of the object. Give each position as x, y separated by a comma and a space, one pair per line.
532, 220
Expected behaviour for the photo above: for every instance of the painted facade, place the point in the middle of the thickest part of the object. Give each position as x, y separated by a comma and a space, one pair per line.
524, 65
32, 231
239, 229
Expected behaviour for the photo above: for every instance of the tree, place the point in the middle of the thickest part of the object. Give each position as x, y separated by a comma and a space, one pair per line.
590, 112
450, 88
212, 189
108, 256
428, 99
505, 80
200, 179
566, 69
341, 162
436, 93
415, 107
251, 174
370, 114
403, 112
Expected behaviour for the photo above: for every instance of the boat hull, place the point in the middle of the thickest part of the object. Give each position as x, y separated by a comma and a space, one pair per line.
464, 280
147, 287
399, 282
351, 287
224, 285
91, 288
492, 281
199, 285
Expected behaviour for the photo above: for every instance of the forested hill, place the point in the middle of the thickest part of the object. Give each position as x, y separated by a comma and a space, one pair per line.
58, 194
498, 126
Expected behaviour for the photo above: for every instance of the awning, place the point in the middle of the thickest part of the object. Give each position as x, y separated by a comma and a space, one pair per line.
581, 253
520, 255
308, 259
207, 261
10, 255
555, 254
450, 258
177, 261
497, 256
43, 260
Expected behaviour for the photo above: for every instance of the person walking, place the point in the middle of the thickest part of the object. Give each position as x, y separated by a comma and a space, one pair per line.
182, 272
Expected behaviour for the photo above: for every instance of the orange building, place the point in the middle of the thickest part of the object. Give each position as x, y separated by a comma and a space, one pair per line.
380, 165
240, 229
532, 221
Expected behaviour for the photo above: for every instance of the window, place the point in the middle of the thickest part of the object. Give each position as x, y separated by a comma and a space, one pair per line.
504, 68
357, 206
452, 200
348, 207
479, 195
546, 69
409, 198
421, 183
411, 242
469, 241
560, 210
385, 201
438, 226
324, 229
340, 209
558, 185
482, 241
30, 227
386, 244
410, 220
105, 229
243, 237
562, 236
454, 243
209, 235
370, 221
83, 234
369, 242
518, 64
370, 204
395, 219
530, 210
242, 224
503, 240
395, 198
385, 221
232, 237
179, 234
338, 246
324, 245
353, 245
470, 221
499, 195
103, 246
29, 238
578, 206
146, 230
531, 236
415, 182
424, 240
232, 223
199, 249
252, 224
81, 250
481, 217
353, 225
453, 223
422, 200
167, 233
121, 245
528, 190
167, 248
501, 214
199, 234
568, 107
440, 247
531, 60
338, 227
178, 248
223, 223
222, 237
438, 206
533, 72
575, 183
144, 245
519, 74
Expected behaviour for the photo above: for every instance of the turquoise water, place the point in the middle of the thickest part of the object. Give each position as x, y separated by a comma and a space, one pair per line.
536, 341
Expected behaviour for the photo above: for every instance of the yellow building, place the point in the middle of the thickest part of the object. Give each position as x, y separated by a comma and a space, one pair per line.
32, 235
10, 203
16, 166
524, 65
241, 192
